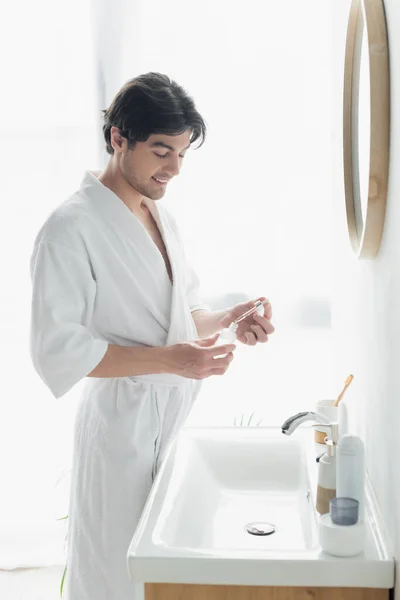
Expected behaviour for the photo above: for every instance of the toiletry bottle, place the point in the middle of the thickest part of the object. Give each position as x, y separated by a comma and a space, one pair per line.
326, 489
351, 470
228, 335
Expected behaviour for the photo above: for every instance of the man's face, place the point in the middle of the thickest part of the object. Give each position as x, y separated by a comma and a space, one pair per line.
150, 165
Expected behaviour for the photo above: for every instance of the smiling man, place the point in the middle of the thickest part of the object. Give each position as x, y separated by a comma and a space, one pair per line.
114, 302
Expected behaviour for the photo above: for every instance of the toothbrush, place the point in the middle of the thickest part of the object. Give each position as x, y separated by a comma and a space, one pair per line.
348, 381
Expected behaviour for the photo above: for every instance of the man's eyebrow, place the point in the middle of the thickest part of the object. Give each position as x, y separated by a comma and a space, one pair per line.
164, 145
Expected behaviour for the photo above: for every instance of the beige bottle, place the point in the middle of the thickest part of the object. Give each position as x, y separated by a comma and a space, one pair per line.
326, 488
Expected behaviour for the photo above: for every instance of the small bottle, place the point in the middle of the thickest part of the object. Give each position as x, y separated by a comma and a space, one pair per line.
326, 489
351, 470
228, 335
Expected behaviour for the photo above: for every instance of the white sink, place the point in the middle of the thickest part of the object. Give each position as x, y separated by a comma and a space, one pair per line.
224, 480
213, 483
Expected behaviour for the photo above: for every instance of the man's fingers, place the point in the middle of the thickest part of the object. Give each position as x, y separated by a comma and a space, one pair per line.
267, 307
250, 338
219, 362
264, 323
204, 343
268, 311
224, 349
260, 333
217, 372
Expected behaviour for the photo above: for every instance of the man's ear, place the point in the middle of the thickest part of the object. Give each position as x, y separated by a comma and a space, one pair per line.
119, 143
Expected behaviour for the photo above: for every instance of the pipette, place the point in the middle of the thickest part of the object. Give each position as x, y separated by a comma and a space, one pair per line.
256, 308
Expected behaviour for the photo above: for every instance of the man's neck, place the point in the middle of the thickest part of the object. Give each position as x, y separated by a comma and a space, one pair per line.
112, 179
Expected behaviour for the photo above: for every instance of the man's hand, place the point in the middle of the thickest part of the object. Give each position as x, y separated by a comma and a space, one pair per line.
197, 360
254, 328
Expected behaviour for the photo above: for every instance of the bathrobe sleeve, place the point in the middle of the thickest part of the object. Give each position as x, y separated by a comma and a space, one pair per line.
62, 347
193, 291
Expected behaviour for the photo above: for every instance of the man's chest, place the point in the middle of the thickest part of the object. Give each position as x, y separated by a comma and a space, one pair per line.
154, 233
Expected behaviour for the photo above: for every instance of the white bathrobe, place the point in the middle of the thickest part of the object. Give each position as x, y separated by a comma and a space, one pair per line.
99, 278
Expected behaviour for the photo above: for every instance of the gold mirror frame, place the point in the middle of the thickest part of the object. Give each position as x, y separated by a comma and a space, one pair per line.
366, 243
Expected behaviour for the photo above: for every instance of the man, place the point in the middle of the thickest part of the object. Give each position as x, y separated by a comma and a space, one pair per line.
114, 301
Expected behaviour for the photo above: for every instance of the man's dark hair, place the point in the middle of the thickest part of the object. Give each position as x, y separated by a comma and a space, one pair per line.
149, 104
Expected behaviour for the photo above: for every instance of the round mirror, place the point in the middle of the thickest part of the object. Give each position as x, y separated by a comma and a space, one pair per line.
366, 125
361, 126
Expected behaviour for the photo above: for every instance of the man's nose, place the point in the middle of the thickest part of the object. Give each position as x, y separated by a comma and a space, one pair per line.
174, 166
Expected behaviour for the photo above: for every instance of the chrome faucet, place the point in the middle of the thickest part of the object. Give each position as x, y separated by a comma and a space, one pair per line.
292, 423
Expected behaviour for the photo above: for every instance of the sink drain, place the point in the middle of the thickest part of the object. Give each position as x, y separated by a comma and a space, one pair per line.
259, 528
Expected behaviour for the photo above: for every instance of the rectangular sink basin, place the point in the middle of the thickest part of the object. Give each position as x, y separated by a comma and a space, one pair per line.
224, 485
216, 483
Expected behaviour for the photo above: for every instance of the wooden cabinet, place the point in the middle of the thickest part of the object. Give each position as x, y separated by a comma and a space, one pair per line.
169, 591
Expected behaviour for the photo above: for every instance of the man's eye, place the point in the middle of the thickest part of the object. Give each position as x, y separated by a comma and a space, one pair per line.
166, 155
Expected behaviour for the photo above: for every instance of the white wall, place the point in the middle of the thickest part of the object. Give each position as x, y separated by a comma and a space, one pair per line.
367, 297
247, 201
